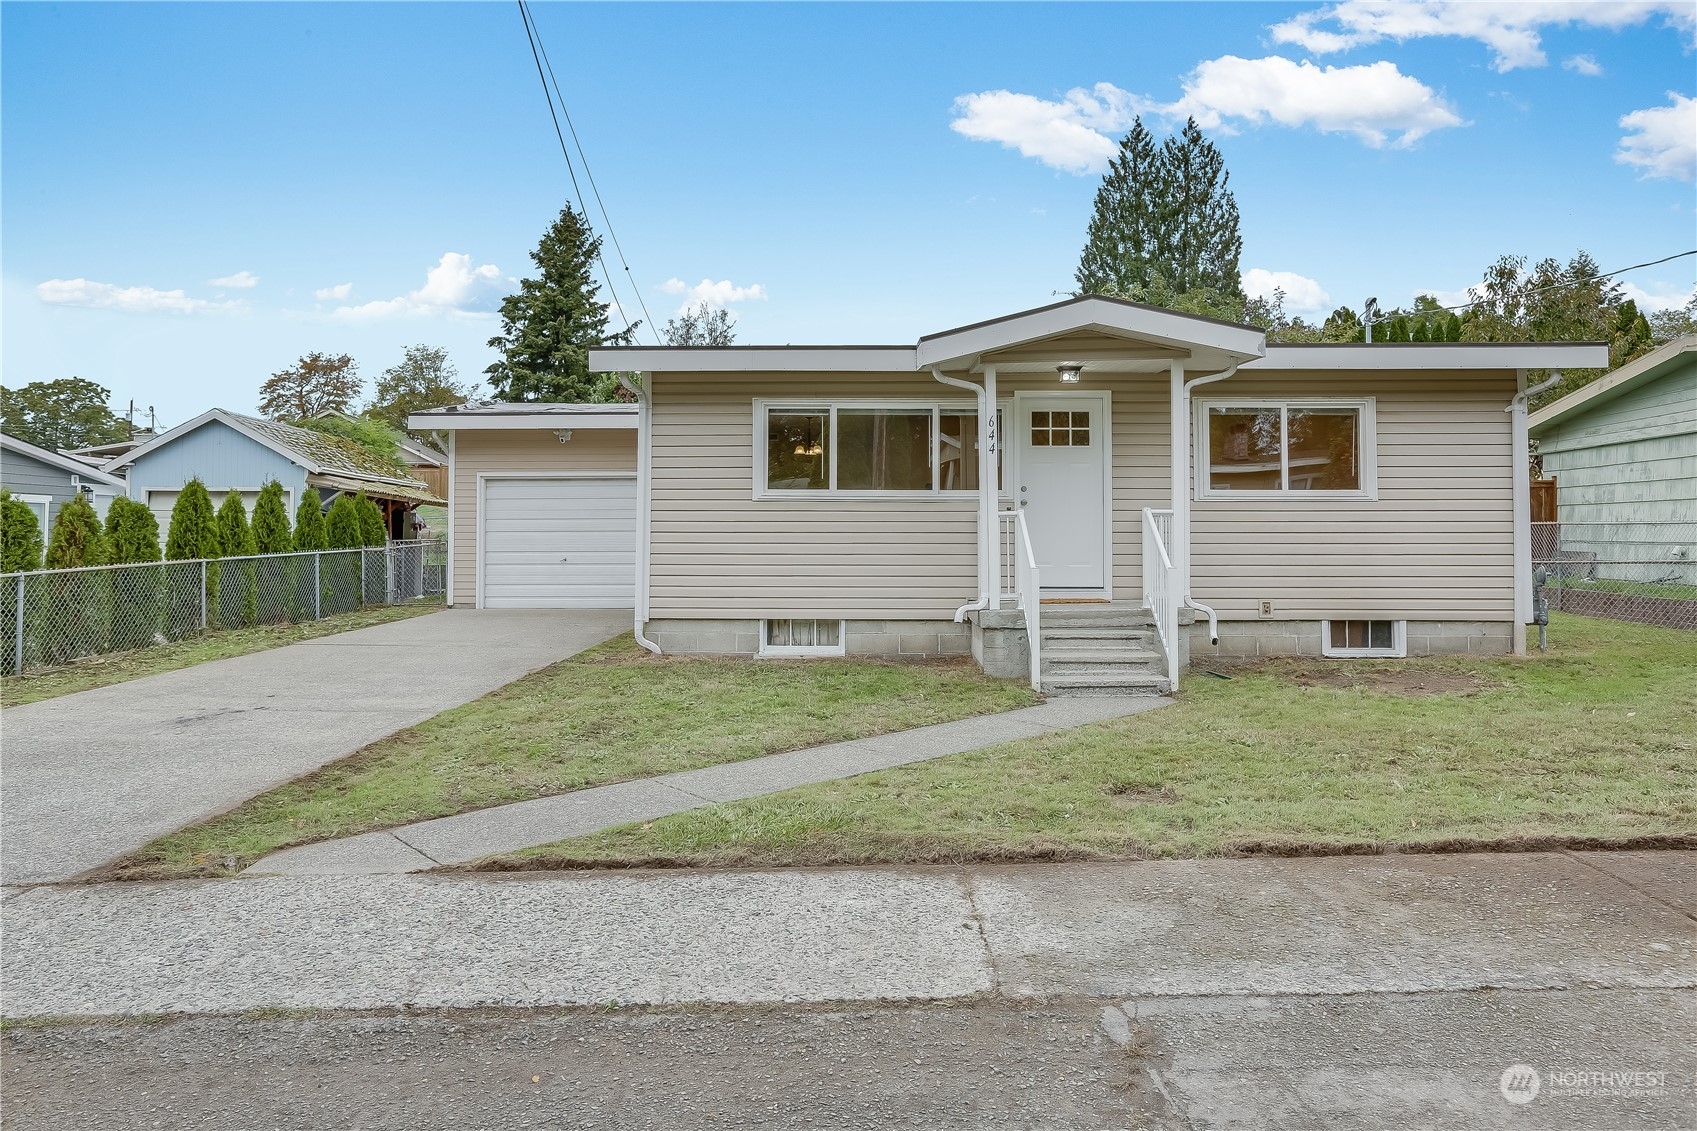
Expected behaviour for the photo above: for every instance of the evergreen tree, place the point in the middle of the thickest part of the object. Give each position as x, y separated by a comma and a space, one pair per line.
132, 533
342, 527
193, 534
1452, 327
1124, 228
1421, 333
79, 605
371, 527
1630, 335
271, 533
309, 522
235, 536
1201, 245
20, 535
238, 601
132, 536
548, 327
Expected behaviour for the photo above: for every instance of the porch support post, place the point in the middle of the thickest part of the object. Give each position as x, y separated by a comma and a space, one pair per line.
989, 448
1179, 551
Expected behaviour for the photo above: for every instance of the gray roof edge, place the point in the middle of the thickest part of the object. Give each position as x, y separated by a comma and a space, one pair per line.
62, 462
1634, 373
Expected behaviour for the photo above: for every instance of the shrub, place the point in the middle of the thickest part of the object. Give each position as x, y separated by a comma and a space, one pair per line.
309, 535
373, 435
132, 536
236, 599
343, 572
342, 528
20, 552
78, 605
371, 522
271, 535
309, 522
194, 534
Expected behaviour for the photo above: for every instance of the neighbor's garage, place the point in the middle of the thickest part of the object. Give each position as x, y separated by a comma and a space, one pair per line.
560, 542
542, 504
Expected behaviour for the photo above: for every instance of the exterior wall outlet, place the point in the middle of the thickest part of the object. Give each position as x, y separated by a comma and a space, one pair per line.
1264, 608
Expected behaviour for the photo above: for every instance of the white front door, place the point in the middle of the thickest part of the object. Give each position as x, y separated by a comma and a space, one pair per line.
1062, 489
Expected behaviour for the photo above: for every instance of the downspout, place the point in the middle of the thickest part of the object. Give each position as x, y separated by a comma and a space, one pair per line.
1522, 496
644, 500
987, 522
1181, 487
453, 484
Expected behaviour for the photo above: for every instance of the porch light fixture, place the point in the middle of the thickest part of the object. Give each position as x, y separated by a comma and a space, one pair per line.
1070, 372
564, 435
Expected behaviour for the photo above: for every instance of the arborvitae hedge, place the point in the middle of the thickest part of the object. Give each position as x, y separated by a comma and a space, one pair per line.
342, 527
194, 534
20, 535
237, 603
138, 593
78, 605
371, 522
309, 522
271, 533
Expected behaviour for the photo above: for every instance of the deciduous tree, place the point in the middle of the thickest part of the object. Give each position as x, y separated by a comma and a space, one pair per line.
700, 326
316, 382
70, 412
423, 379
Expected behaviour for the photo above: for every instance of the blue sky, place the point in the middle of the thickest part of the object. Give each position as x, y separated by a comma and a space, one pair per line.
194, 195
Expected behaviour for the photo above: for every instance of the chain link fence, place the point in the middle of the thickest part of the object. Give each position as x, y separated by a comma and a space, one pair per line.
1633, 571
53, 617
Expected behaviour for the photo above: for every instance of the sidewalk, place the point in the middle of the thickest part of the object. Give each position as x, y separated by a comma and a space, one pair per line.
507, 828
1109, 932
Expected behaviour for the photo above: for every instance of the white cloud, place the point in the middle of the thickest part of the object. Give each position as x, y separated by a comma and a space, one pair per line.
1662, 140
1510, 28
1446, 298
452, 288
716, 295
1662, 298
133, 300
1586, 65
1369, 101
1069, 135
341, 292
1302, 294
241, 280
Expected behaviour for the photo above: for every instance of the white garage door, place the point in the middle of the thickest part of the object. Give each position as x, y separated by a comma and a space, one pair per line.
559, 543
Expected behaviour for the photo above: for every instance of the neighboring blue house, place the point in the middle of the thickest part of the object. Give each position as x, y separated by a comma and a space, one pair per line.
1623, 453
231, 452
45, 479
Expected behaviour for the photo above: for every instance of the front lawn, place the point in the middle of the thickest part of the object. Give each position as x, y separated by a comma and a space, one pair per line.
1597, 739
612, 714
219, 644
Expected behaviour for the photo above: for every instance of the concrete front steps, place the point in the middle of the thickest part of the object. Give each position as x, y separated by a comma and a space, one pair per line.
1101, 649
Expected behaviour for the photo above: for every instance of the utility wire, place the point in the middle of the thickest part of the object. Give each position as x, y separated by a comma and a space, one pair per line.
1558, 286
593, 187
565, 152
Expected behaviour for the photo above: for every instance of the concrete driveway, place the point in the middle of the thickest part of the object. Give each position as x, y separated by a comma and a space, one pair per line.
90, 776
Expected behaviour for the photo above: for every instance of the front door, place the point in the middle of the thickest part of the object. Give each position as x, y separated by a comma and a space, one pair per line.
1062, 490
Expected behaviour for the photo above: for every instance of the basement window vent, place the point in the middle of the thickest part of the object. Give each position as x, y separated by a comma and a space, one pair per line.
801, 638
1353, 638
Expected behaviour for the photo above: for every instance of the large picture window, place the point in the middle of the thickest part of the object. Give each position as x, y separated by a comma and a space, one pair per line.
858, 448
1285, 448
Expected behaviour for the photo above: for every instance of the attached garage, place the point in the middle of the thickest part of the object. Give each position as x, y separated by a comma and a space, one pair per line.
542, 504
565, 541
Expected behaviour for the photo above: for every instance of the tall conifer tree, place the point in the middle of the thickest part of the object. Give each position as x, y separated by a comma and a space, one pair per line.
1125, 224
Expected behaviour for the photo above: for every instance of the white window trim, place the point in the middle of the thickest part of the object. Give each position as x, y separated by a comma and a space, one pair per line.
45, 502
1397, 650
837, 649
763, 405
1368, 436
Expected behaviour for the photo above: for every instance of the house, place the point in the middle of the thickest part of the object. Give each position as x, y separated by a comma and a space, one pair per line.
1623, 453
47, 479
231, 452
99, 455
1023, 489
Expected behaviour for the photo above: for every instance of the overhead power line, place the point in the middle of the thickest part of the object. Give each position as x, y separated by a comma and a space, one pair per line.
536, 53
1559, 286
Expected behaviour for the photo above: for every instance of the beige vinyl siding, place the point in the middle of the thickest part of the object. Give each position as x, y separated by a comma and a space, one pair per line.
1437, 544
716, 551
520, 450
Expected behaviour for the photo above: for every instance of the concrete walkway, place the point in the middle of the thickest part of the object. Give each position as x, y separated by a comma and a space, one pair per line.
93, 775
508, 828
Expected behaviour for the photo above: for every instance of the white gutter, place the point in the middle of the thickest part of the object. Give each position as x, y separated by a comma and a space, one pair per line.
1520, 445
644, 501
988, 523
1181, 487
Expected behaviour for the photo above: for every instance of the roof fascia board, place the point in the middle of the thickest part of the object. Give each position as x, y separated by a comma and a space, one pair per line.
1518, 355
1166, 328
744, 359
299, 459
480, 422
62, 462
1610, 385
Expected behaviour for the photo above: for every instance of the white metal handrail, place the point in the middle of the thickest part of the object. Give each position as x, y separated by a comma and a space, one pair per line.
1161, 594
1025, 585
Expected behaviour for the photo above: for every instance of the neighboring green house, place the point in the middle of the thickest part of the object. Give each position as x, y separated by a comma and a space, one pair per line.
1623, 452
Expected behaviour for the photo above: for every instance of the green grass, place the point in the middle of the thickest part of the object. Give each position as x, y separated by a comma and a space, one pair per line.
119, 667
612, 714
1664, 589
1597, 739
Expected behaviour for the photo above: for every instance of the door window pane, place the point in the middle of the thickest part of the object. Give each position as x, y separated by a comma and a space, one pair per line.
797, 450
1323, 450
883, 450
1243, 449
